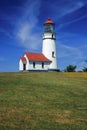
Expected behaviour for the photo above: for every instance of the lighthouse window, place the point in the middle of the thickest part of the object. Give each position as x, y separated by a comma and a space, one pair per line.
49, 28
33, 64
52, 53
42, 64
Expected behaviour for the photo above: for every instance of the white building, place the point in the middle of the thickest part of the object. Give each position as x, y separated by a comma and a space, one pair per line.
34, 62
47, 60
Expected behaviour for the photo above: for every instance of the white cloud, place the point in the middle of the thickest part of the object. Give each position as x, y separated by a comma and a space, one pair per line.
72, 6
63, 7
31, 11
68, 51
75, 20
71, 55
28, 39
27, 35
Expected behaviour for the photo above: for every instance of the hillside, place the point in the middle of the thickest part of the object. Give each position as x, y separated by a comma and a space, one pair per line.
43, 101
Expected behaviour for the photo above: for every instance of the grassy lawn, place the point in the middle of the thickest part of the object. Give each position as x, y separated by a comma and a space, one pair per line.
43, 101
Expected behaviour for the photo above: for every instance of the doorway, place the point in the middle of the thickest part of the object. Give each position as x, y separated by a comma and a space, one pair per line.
24, 66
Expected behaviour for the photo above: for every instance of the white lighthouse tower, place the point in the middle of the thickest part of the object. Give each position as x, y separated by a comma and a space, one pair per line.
49, 43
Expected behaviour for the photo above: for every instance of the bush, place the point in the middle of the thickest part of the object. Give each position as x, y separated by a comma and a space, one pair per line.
70, 68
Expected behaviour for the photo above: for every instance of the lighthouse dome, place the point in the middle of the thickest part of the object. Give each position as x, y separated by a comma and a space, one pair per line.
49, 21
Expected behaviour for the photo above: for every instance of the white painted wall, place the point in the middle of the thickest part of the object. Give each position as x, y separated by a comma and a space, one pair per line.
27, 65
49, 46
20, 65
38, 66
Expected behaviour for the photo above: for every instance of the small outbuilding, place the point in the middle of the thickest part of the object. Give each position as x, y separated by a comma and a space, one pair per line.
34, 62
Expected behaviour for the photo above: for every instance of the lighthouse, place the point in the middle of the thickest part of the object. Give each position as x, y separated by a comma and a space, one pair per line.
47, 59
49, 44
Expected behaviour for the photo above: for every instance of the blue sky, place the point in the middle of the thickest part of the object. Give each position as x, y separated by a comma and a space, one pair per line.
21, 28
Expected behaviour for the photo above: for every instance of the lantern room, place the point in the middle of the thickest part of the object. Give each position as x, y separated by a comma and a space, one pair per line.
49, 26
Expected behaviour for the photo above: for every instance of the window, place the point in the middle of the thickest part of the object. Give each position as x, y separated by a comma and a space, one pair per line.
52, 53
49, 28
33, 64
42, 64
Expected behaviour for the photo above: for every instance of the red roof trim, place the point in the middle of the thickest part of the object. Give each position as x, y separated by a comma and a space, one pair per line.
36, 57
23, 59
49, 21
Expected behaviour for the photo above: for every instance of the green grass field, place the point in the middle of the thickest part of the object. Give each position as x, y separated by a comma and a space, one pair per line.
43, 101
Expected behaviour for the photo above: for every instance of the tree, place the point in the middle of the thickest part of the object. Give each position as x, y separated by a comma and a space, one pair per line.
70, 68
85, 69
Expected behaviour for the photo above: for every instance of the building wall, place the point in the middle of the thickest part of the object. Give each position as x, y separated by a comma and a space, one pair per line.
20, 65
49, 46
29, 65
38, 66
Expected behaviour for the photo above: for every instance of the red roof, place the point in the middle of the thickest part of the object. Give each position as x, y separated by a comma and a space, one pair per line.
23, 59
36, 57
49, 21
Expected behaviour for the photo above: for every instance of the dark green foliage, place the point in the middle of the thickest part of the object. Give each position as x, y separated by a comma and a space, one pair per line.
70, 68
85, 69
